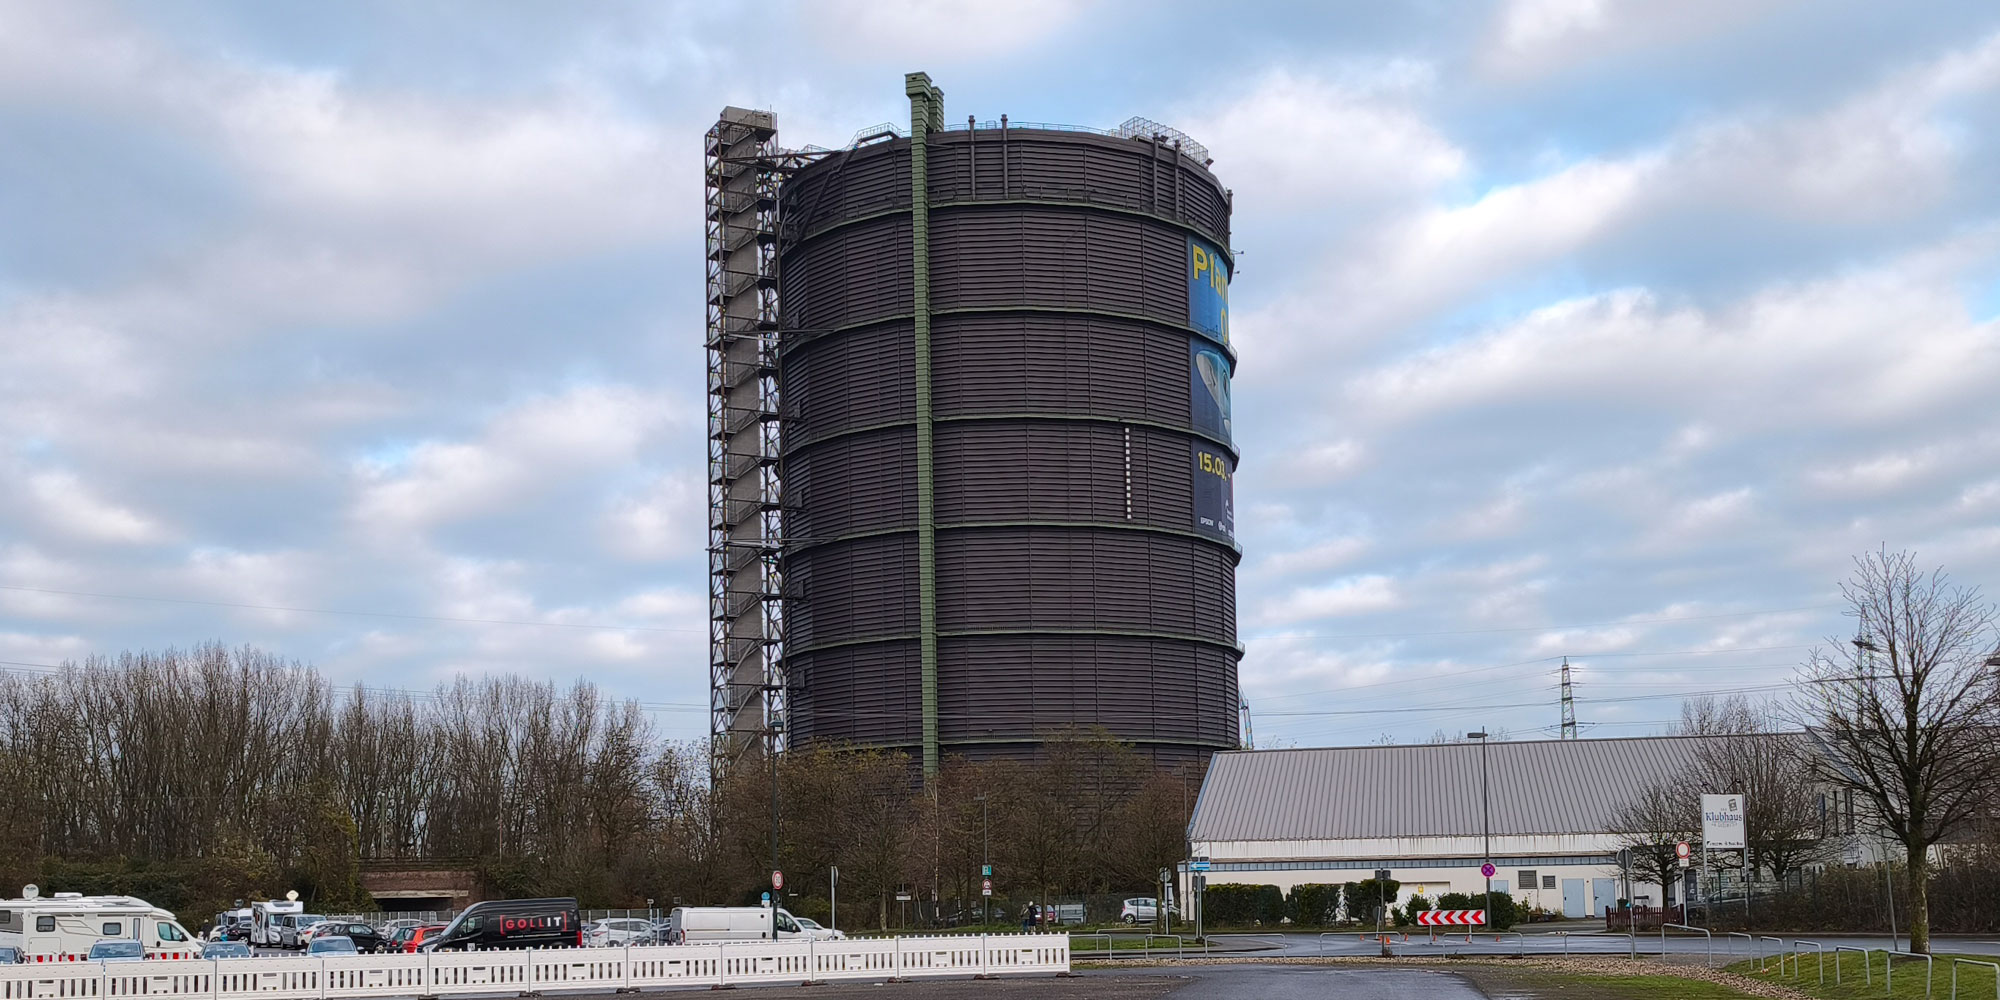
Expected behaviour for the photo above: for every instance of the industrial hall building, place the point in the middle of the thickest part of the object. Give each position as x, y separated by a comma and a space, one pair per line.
1337, 814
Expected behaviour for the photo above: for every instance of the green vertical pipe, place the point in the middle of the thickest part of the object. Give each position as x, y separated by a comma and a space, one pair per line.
926, 113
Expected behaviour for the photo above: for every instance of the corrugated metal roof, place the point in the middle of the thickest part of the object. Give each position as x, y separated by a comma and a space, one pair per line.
1428, 790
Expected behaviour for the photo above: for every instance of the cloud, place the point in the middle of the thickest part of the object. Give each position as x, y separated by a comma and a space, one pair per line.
1546, 316
1351, 596
522, 453
68, 505
942, 28
1349, 137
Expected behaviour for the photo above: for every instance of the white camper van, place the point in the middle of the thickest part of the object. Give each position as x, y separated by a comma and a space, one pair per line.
694, 924
267, 923
61, 928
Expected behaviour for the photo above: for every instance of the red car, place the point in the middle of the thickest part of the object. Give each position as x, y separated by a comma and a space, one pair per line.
409, 938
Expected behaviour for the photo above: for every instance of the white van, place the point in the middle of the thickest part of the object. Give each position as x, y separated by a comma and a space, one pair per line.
266, 919
695, 924
61, 928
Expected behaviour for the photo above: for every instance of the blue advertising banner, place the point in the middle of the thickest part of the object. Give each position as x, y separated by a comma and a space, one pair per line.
1208, 388
1208, 289
1214, 493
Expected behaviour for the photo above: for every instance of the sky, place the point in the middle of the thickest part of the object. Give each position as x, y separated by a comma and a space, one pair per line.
370, 333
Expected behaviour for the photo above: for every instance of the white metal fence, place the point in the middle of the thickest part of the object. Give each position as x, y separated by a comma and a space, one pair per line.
457, 973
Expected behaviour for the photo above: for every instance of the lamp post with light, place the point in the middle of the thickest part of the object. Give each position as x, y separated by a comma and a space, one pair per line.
1485, 822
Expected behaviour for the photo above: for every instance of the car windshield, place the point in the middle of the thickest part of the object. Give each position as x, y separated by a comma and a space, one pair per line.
117, 949
226, 949
331, 945
311, 918
807, 923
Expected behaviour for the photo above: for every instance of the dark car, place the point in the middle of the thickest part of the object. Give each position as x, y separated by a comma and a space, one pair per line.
511, 923
365, 937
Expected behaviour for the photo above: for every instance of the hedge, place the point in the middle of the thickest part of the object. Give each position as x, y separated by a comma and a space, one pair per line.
1315, 904
1242, 905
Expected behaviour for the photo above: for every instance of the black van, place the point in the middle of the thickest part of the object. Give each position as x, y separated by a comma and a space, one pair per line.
511, 923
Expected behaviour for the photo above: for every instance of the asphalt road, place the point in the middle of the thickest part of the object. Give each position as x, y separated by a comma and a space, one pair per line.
1303, 945
1221, 982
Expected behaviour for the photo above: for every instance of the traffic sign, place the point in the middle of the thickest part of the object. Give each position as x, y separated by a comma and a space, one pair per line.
1452, 918
986, 887
777, 879
1487, 869
1681, 850
1199, 865
985, 871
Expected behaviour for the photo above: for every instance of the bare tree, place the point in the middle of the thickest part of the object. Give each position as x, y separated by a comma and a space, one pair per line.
1905, 712
1651, 824
1741, 749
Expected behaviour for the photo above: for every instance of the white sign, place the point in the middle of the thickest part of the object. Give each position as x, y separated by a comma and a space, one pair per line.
1681, 850
1722, 822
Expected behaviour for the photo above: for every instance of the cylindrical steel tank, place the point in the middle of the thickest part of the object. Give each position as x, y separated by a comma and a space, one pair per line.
1069, 364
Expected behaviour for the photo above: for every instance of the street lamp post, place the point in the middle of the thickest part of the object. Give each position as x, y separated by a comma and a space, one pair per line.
985, 863
1485, 821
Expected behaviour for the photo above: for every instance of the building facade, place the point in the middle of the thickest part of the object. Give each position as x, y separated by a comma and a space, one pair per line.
1544, 812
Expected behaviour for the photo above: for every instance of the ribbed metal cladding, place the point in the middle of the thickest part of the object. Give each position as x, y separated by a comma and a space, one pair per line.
1077, 584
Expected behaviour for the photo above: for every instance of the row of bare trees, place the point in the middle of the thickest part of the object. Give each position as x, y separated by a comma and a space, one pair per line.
1890, 736
1740, 748
215, 773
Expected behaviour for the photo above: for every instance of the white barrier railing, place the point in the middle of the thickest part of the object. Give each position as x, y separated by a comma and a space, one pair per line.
458, 973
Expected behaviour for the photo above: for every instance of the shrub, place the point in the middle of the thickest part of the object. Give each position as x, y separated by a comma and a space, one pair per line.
1417, 904
1314, 904
1242, 905
1364, 896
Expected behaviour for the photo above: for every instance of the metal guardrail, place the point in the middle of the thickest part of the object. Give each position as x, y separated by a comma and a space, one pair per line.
1956, 962
1703, 931
1323, 935
1729, 941
1866, 974
1797, 973
1106, 937
449, 974
1889, 970
1781, 953
1180, 948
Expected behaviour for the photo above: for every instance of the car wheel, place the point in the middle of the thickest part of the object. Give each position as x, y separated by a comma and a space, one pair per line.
1130, 919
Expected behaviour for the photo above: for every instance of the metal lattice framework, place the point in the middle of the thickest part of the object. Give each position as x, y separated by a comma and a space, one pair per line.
746, 613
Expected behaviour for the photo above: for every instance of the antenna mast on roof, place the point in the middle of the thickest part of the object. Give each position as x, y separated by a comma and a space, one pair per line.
1568, 705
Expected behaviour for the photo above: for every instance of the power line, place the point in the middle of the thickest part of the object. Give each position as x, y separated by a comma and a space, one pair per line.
1525, 704
357, 614
1545, 659
1539, 628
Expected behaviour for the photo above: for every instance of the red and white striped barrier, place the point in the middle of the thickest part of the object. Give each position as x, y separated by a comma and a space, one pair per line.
1452, 918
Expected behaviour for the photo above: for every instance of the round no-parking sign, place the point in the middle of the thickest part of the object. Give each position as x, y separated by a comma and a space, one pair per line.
1487, 869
